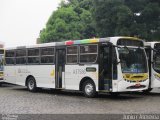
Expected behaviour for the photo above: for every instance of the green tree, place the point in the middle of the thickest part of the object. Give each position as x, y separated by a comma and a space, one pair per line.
80, 19
72, 20
150, 15
127, 17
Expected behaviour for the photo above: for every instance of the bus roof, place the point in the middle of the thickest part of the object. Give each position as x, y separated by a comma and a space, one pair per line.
77, 42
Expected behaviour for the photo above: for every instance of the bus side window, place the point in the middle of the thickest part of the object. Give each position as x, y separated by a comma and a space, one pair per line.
72, 54
10, 57
21, 56
88, 53
33, 56
47, 55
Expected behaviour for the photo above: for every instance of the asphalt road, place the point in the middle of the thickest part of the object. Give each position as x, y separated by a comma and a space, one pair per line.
17, 100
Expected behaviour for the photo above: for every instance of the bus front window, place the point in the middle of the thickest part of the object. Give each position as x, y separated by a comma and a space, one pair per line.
133, 61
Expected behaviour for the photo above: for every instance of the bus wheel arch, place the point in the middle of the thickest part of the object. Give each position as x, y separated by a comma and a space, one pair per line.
31, 83
85, 83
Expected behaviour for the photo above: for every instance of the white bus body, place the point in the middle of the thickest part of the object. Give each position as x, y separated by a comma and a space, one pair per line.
153, 53
71, 63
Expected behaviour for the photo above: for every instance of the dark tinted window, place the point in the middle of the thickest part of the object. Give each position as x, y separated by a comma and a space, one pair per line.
88, 58
72, 58
72, 50
88, 49
47, 55
21, 60
88, 53
33, 52
10, 53
20, 53
33, 60
1, 51
47, 51
47, 59
130, 42
72, 54
10, 61
10, 57
157, 46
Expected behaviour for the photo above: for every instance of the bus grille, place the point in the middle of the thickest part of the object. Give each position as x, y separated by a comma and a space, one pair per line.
132, 78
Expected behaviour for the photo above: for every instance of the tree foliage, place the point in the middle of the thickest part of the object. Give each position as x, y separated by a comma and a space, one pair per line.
79, 19
139, 18
72, 20
112, 17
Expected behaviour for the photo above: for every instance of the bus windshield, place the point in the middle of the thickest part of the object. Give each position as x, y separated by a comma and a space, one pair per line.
1, 62
133, 61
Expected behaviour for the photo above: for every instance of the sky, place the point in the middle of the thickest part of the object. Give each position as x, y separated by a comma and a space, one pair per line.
22, 20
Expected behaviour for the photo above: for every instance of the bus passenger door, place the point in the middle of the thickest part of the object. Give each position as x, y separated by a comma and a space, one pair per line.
60, 67
105, 81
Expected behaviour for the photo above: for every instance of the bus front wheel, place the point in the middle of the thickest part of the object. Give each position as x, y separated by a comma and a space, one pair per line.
89, 89
31, 84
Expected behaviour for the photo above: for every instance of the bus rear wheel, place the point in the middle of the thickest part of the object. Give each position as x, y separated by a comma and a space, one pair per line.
89, 89
31, 84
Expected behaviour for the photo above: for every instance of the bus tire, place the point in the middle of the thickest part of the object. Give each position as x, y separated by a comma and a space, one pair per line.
31, 84
89, 89
147, 91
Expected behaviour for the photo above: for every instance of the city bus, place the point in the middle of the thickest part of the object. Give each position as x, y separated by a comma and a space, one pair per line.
112, 64
1, 65
153, 54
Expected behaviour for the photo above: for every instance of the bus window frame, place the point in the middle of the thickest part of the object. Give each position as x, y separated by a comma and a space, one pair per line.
33, 56
72, 54
97, 44
10, 57
21, 56
47, 56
